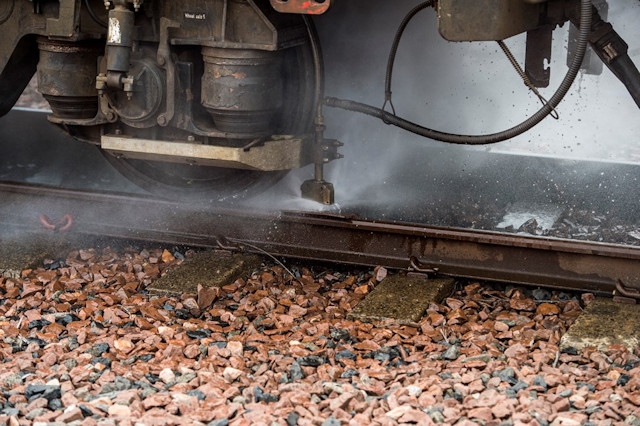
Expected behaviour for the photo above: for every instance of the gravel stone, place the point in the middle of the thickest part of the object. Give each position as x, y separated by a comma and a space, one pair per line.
340, 334
452, 353
345, 354
331, 421
261, 396
36, 412
349, 373
199, 334
98, 349
312, 361
49, 392
507, 375
66, 319
539, 381
292, 419
295, 372
271, 351
55, 404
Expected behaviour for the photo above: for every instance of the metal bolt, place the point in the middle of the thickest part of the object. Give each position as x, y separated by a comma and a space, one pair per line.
162, 120
190, 138
118, 132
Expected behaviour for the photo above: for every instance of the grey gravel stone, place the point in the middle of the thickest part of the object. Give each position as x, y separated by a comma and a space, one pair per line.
295, 372
98, 349
332, 421
292, 419
507, 374
539, 381
452, 353
35, 413
49, 392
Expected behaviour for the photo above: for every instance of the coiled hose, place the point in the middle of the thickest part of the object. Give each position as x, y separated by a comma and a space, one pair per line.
572, 72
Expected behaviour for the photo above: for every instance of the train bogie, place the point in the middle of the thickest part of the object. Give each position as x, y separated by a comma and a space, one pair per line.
227, 95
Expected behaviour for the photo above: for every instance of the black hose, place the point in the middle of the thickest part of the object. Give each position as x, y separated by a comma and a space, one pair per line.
318, 121
613, 51
572, 72
394, 48
624, 68
318, 64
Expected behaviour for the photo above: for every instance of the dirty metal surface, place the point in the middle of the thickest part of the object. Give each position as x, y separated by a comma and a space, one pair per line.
604, 322
484, 255
404, 298
206, 269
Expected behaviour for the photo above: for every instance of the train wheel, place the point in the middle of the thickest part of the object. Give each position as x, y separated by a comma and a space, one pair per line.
173, 180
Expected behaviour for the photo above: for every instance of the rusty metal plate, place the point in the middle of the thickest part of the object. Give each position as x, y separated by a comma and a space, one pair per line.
309, 7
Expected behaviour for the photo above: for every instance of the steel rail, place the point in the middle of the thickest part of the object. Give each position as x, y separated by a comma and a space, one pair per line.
485, 255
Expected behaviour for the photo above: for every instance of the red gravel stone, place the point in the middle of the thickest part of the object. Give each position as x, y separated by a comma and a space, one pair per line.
71, 414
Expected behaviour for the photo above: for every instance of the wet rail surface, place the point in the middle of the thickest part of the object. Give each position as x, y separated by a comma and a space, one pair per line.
596, 267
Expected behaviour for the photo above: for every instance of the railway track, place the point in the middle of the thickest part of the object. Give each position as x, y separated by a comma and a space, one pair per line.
486, 255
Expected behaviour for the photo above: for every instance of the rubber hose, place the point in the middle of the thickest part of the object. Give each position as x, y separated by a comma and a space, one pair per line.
318, 65
626, 71
565, 85
396, 41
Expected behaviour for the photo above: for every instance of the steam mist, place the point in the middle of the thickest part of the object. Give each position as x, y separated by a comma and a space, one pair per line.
467, 88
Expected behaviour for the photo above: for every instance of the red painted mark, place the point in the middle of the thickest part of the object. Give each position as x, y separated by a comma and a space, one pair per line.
63, 225
311, 7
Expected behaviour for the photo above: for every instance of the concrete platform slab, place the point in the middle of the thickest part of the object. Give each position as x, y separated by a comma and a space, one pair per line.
24, 251
207, 268
604, 322
404, 298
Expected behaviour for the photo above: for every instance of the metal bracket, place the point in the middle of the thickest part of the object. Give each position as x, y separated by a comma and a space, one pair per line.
538, 51
225, 245
164, 59
68, 20
416, 266
308, 7
626, 294
284, 153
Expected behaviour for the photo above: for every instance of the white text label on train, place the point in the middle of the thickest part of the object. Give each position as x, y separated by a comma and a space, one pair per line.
195, 16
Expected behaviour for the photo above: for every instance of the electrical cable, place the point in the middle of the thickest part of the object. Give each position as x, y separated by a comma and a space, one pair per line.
318, 63
318, 121
565, 85
394, 50
524, 77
